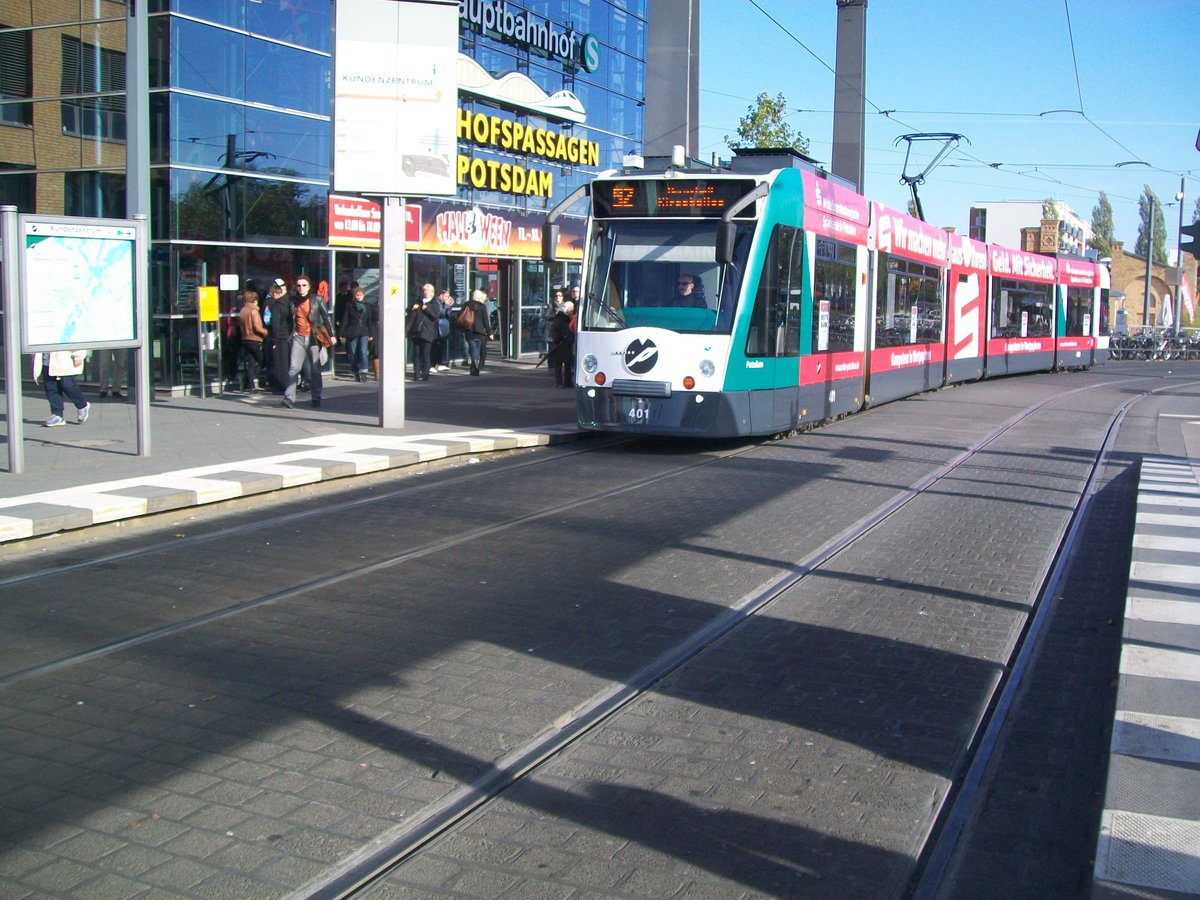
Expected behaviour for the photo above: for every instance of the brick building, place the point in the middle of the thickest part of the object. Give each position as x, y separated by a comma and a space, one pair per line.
1129, 289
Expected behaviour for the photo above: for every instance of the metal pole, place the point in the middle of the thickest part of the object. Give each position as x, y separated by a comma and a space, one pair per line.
141, 290
10, 291
1179, 260
393, 306
1149, 264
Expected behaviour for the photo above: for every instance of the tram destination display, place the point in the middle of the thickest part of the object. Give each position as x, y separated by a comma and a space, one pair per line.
675, 198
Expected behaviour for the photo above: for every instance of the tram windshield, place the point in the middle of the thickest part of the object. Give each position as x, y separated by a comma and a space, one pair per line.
662, 274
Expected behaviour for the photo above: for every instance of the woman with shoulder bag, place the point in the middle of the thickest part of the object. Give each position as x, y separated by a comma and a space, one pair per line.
477, 331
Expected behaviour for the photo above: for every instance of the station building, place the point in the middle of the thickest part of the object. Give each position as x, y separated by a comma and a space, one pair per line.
241, 148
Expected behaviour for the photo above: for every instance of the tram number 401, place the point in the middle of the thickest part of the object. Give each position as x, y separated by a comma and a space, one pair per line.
639, 411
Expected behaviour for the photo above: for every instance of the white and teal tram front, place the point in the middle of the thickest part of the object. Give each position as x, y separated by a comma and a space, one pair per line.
696, 310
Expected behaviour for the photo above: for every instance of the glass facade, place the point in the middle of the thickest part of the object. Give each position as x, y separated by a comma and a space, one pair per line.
241, 145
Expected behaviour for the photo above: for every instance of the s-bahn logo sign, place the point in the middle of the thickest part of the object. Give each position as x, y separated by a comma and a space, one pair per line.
523, 29
640, 356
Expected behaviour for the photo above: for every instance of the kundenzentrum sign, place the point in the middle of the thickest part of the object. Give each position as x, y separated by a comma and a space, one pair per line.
522, 28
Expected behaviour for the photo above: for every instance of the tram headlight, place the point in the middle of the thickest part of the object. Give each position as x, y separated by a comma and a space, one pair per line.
707, 368
590, 363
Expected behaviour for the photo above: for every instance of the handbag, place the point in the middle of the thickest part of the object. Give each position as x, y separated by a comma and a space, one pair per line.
443, 327
466, 318
324, 338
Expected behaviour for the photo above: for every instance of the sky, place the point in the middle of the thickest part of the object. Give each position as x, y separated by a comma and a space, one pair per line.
993, 71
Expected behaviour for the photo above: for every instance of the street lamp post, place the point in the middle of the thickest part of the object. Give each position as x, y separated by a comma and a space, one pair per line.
1179, 260
1149, 268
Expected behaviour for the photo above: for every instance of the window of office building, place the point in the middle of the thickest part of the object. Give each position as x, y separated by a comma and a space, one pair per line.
16, 78
88, 69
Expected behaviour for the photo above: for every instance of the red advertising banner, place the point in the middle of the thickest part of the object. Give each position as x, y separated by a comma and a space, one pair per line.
1079, 273
833, 210
887, 359
816, 368
903, 235
354, 222
1021, 265
455, 228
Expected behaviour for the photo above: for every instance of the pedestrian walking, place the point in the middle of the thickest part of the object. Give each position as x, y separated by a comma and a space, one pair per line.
475, 324
253, 330
60, 381
281, 325
110, 371
311, 317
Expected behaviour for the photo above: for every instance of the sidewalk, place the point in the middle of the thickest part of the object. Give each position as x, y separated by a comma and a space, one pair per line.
233, 445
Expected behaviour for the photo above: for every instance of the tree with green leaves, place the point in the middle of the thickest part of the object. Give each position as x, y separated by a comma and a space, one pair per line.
1102, 227
1050, 210
1150, 210
764, 126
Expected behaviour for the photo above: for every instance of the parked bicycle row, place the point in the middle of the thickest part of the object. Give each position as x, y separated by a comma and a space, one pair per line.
1154, 345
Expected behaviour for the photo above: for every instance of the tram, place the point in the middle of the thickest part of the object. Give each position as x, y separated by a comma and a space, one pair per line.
768, 295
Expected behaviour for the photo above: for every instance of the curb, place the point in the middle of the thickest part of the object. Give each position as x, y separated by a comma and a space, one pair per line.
325, 458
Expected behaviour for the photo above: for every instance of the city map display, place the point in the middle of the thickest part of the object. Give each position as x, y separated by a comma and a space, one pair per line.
78, 284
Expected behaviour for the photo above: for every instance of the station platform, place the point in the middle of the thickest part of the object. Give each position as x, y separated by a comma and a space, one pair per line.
1150, 827
230, 445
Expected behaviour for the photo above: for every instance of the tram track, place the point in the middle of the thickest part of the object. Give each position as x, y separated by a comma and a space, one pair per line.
359, 873
368, 869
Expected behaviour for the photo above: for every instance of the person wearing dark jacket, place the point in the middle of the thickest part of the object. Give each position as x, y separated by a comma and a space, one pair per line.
282, 324
310, 315
478, 332
561, 355
422, 328
355, 331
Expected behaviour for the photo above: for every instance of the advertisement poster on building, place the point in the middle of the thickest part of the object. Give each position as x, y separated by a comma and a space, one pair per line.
395, 97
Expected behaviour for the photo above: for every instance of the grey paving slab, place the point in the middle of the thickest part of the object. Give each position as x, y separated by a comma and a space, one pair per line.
210, 449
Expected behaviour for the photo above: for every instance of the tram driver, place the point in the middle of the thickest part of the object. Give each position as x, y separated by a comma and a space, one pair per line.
689, 291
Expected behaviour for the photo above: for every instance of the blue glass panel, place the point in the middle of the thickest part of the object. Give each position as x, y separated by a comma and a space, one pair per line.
246, 209
287, 77
222, 12
307, 23
287, 145
206, 132
207, 59
199, 130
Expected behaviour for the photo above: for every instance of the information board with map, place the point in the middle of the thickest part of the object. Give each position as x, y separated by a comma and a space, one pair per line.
77, 283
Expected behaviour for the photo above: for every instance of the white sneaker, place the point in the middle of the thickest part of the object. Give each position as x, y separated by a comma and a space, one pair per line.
54, 422
83, 413
443, 368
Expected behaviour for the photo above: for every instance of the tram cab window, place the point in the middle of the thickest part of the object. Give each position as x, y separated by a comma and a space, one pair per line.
661, 275
833, 287
908, 302
775, 321
1021, 309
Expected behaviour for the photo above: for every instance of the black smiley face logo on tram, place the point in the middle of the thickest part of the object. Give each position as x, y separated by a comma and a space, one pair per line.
640, 356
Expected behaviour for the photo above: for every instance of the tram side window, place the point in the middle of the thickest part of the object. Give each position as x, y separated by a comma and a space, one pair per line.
775, 320
1021, 309
1079, 319
908, 303
833, 296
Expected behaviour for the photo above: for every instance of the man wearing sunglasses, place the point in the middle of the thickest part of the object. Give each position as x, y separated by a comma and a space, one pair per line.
310, 314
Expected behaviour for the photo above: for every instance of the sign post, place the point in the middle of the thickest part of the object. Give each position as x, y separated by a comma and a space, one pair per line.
10, 290
395, 136
74, 284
